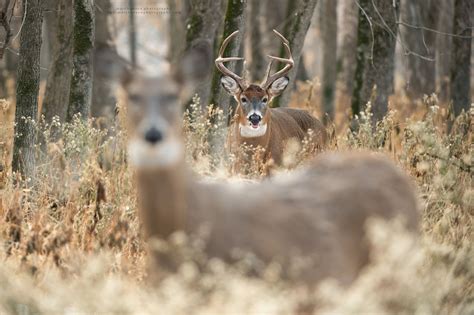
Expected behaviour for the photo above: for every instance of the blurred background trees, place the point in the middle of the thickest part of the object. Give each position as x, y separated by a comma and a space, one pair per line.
351, 51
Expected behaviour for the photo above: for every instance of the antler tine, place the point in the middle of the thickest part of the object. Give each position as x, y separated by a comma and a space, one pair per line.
220, 60
283, 39
289, 63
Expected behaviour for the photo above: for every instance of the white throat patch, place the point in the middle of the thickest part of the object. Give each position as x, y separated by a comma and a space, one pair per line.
248, 131
145, 156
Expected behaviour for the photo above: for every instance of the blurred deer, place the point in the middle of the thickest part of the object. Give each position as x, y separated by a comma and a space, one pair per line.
255, 123
318, 213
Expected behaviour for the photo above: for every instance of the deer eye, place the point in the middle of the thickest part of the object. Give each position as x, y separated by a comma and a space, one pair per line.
265, 100
244, 100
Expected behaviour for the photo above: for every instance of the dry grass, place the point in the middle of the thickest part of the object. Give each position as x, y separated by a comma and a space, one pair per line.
72, 240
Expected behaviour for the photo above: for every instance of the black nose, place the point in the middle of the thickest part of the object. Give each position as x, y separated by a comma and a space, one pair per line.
153, 135
255, 119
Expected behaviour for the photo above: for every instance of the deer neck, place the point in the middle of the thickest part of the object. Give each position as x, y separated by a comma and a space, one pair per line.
162, 200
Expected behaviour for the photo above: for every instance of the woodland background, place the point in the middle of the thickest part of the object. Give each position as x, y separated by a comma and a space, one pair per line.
390, 76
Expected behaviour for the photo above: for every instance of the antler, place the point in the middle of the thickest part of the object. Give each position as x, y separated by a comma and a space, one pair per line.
220, 61
289, 63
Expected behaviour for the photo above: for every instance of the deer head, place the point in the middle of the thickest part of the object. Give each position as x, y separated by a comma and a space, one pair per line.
154, 113
254, 99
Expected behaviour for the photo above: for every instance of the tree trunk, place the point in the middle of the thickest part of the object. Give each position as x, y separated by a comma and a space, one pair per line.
328, 27
461, 55
5, 16
234, 20
443, 49
203, 24
56, 98
420, 73
103, 94
27, 90
48, 36
346, 56
273, 17
256, 63
132, 33
83, 42
299, 13
176, 29
375, 56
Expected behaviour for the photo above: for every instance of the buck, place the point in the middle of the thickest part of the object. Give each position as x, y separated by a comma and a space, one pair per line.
255, 123
318, 213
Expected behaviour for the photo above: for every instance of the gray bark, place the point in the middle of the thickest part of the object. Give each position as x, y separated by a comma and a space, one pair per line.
328, 27
103, 93
420, 74
257, 62
48, 36
443, 49
273, 17
299, 13
83, 42
461, 55
203, 24
234, 20
132, 33
5, 16
346, 56
375, 56
56, 98
27, 90
177, 21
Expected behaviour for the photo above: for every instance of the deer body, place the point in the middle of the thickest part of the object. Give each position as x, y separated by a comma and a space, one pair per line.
258, 125
318, 214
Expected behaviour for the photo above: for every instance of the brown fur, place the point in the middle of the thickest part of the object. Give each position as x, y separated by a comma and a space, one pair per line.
283, 124
319, 214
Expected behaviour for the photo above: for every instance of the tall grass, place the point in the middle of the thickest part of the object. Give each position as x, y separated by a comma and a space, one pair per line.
72, 244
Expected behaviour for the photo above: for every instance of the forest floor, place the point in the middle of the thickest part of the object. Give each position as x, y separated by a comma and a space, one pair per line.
72, 243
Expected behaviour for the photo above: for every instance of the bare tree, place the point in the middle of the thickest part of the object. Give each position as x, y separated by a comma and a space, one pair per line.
105, 52
461, 55
203, 24
177, 31
273, 16
83, 42
49, 37
257, 61
27, 89
56, 98
6, 13
443, 49
328, 26
346, 56
375, 55
420, 45
299, 14
234, 20
132, 32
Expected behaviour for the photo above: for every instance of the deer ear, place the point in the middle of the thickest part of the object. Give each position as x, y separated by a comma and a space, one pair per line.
230, 85
278, 86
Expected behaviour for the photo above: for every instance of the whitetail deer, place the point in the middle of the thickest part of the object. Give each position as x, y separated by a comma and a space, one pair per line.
318, 213
255, 123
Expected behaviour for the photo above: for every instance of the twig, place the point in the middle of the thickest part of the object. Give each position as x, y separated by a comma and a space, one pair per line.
23, 21
462, 166
406, 51
371, 32
435, 31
